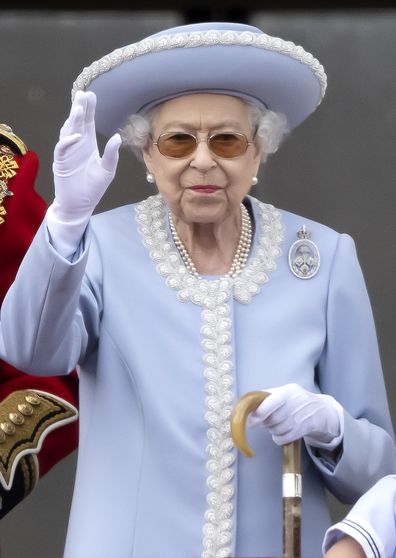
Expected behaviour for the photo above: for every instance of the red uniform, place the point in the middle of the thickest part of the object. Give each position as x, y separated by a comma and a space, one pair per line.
38, 415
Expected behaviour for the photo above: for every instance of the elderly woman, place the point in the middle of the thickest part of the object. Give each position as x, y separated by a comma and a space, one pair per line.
174, 307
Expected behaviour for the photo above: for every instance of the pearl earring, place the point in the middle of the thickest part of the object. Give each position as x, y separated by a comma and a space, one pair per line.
254, 180
150, 177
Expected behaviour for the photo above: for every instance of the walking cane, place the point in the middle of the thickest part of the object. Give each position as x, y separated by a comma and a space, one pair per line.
291, 478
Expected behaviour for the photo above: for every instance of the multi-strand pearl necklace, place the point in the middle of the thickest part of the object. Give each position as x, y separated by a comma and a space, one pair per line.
241, 254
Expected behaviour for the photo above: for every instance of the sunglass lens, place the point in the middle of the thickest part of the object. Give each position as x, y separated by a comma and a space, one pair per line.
228, 145
176, 145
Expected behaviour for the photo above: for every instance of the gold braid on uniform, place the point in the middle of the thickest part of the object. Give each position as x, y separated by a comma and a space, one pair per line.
10, 145
26, 417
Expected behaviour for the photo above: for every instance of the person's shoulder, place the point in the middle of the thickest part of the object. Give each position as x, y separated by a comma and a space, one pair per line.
328, 239
329, 244
388, 482
114, 214
294, 221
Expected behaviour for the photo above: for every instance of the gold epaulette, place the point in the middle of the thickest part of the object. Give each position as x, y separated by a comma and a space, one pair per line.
7, 137
26, 417
10, 145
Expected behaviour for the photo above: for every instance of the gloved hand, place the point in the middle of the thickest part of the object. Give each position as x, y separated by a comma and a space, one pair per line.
291, 413
81, 176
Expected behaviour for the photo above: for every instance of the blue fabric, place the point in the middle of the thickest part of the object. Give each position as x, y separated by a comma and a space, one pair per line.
141, 477
276, 80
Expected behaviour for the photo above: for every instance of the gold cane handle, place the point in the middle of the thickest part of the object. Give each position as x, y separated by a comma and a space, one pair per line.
245, 405
291, 478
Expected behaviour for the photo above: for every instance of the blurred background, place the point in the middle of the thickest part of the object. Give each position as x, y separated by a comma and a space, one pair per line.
337, 168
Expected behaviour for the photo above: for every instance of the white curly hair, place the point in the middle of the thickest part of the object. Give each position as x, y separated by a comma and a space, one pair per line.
270, 129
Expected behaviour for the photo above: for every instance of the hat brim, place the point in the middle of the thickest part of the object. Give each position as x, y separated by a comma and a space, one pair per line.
246, 64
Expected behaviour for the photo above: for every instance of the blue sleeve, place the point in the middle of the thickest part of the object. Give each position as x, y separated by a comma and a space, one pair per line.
350, 370
50, 317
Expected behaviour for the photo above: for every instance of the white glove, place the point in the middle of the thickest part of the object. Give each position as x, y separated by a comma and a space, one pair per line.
81, 176
291, 413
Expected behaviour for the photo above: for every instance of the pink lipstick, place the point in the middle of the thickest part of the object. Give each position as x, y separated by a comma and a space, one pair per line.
205, 188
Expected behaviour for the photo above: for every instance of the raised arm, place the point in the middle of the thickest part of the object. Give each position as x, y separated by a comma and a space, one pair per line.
81, 175
33, 437
43, 330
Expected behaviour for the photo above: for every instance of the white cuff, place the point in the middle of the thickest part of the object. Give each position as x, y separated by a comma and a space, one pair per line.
65, 236
337, 440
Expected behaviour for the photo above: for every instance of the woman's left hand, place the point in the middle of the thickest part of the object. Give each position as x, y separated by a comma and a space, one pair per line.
291, 413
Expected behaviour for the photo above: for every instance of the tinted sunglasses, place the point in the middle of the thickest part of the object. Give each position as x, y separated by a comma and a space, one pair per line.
226, 145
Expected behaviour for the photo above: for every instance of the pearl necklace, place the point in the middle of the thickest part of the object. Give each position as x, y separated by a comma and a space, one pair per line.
241, 254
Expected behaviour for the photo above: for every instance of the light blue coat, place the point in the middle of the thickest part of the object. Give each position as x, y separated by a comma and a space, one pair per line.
162, 359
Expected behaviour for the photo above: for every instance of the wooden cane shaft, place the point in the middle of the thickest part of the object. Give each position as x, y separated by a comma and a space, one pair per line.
291, 492
292, 458
291, 478
292, 527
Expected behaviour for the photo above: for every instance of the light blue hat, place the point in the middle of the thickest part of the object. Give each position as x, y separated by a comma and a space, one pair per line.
217, 57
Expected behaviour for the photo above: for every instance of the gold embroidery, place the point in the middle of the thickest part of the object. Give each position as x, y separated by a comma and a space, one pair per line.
29, 472
2, 212
24, 437
8, 167
10, 145
11, 141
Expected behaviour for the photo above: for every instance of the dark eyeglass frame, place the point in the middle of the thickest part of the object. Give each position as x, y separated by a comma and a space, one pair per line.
208, 140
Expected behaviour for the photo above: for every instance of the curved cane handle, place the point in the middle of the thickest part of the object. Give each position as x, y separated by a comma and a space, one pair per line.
244, 406
291, 478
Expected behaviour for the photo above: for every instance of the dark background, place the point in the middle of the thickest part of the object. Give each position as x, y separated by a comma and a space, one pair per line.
205, 10
337, 167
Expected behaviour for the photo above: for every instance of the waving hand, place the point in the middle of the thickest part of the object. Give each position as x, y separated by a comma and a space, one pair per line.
81, 175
